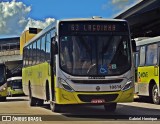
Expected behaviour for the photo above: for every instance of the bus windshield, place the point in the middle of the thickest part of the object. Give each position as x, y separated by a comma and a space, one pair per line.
15, 84
95, 55
94, 48
2, 75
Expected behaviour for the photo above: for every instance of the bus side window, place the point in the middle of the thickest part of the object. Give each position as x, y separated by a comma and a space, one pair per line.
34, 53
151, 54
27, 56
43, 55
38, 51
30, 54
48, 46
142, 55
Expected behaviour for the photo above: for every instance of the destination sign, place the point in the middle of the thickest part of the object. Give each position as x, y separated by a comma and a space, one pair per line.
93, 26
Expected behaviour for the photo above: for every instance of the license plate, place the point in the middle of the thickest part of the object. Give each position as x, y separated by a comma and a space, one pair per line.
97, 101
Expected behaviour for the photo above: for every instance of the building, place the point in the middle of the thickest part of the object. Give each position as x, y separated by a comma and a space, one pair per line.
10, 49
10, 55
143, 18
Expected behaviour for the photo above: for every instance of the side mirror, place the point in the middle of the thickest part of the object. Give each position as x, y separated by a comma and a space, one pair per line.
7, 72
54, 46
133, 45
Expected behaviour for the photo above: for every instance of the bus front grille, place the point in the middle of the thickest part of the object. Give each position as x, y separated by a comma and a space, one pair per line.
89, 98
97, 81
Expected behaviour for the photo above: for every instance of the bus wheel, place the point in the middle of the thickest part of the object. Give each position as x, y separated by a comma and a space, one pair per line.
110, 107
54, 107
2, 99
39, 102
155, 97
32, 100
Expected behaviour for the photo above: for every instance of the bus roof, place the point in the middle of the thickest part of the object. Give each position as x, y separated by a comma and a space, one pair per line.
2, 64
14, 78
53, 25
148, 41
41, 33
92, 19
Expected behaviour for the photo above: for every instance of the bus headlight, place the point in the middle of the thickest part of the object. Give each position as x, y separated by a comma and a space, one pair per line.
128, 85
64, 85
2, 89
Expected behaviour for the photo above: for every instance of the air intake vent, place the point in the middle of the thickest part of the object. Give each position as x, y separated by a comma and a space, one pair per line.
97, 81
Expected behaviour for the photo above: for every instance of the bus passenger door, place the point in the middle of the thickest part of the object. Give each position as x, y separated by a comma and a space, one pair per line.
54, 52
136, 62
158, 70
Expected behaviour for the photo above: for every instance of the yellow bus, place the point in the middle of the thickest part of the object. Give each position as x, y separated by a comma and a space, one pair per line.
147, 61
3, 83
80, 61
14, 86
26, 36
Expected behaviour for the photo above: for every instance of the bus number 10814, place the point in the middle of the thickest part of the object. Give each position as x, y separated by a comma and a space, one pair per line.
115, 87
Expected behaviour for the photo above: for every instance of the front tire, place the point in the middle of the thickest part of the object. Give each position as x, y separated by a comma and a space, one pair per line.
2, 99
55, 107
110, 107
155, 97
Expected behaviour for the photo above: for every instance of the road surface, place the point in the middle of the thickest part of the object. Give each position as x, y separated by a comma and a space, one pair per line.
18, 108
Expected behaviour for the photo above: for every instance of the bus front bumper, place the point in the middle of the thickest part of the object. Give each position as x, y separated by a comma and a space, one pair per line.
3, 93
66, 97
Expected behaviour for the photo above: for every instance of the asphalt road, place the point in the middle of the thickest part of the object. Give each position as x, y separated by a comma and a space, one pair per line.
126, 112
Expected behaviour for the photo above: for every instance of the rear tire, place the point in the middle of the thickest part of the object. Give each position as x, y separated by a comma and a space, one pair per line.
32, 100
39, 102
110, 107
47, 92
155, 97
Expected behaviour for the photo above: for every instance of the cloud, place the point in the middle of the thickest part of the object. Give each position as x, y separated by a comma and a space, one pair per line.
14, 18
123, 4
38, 24
119, 5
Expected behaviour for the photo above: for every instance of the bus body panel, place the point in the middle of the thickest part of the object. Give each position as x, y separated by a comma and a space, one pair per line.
38, 76
66, 97
25, 37
148, 70
3, 82
3, 93
24, 81
16, 92
145, 76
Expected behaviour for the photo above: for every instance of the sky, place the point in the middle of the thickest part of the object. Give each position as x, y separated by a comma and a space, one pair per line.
18, 15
